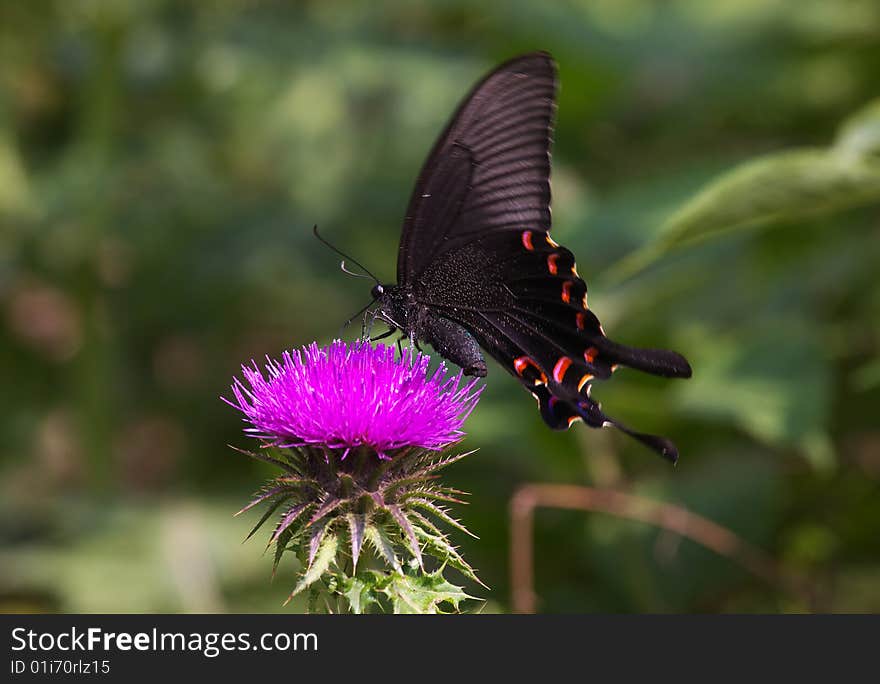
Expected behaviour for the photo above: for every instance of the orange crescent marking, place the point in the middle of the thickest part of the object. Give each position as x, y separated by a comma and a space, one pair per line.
591, 354
521, 364
573, 419
560, 368
551, 263
527, 240
583, 381
566, 291
550, 241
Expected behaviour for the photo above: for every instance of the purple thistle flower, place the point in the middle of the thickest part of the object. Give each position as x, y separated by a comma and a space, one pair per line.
347, 396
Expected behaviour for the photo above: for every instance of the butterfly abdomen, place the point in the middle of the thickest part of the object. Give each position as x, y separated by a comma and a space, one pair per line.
452, 342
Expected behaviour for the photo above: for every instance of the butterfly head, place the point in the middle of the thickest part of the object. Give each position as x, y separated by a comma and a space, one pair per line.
391, 305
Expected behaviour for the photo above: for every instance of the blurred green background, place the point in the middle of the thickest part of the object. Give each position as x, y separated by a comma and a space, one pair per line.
716, 172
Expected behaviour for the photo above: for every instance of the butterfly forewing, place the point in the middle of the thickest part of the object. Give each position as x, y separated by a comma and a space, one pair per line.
489, 170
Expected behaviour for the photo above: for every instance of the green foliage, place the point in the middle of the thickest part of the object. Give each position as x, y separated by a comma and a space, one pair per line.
778, 188
413, 591
748, 383
324, 556
161, 166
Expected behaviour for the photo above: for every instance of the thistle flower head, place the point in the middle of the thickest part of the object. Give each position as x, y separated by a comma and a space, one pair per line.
324, 415
349, 396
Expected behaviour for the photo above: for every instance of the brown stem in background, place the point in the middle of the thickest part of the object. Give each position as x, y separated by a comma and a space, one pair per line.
663, 515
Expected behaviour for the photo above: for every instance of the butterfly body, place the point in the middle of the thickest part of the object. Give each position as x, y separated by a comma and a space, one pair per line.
478, 270
401, 310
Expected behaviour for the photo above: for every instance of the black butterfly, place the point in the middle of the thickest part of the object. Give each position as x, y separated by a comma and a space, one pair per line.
477, 267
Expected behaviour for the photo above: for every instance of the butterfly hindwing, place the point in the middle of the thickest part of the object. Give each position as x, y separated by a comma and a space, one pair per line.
561, 387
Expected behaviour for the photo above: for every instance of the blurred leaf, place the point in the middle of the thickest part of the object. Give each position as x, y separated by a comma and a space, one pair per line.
773, 383
866, 377
859, 137
15, 191
781, 187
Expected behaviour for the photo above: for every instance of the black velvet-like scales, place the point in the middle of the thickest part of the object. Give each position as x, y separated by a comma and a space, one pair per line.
476, 266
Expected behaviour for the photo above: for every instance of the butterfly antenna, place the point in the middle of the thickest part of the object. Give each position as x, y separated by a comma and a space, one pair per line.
369, 273
351, 273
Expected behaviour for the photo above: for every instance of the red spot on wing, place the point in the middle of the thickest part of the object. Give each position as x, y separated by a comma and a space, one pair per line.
551, 263
590, 355
581, 320
566, 291
527, 240
560, 368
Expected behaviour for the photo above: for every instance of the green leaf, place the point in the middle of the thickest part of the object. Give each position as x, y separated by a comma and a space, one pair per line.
360, 593
323, 558
423, 593
859, 136
777, 188
783, 186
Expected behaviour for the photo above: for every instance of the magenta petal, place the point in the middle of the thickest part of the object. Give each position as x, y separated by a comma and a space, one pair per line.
346, 396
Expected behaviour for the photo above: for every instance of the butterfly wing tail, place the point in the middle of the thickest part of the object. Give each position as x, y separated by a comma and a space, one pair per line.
668, 364
658, 443
559, 413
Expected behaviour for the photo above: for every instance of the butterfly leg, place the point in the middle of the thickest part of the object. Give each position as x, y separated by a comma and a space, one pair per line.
367, 327
383, 335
